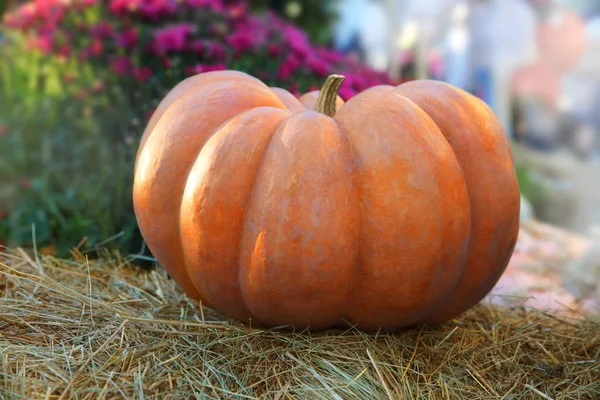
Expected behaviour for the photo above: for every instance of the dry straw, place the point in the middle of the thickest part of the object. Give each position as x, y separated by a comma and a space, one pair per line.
105, 329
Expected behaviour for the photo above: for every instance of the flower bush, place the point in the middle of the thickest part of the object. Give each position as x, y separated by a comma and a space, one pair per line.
83, 76
162, 41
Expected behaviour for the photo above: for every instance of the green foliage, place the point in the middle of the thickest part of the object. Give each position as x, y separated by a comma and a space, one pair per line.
533, 190
65, 163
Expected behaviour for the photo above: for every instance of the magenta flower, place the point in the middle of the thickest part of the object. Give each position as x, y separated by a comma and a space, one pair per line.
96, 47
241, 40
173, 38
293, 89
127, 38
287, 67
346, 92
166, 62
102, 30
119, 7
296, 40
142, 74
274, 49
45, 42
154, 9
216, 5
120, 65
330, 56
238, 10
318, 66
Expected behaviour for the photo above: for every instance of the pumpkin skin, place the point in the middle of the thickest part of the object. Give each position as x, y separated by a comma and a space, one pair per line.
401, 209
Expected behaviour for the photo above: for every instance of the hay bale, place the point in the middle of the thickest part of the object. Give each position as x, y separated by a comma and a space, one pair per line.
105, 329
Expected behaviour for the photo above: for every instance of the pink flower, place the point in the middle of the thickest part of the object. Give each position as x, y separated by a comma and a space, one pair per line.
330, 56
216, 5
3, 130
240, 40
238, 10
64, 50
293, 89
96, 47
166, 62
296, 40
274, 49
208, 48
119, 7
45, 42
121, 65
173, 38
154, 9
287, 67
128, 38
142, 74
318, 66
346, 92
102, 30
216, 50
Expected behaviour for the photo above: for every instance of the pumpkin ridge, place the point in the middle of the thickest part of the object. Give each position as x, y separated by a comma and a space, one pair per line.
147, 193
221, 170
483, 151
465, 248
344, 318
223, 124
390, 294
293, 239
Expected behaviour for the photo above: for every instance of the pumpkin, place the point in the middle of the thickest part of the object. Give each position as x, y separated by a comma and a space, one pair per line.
397, 207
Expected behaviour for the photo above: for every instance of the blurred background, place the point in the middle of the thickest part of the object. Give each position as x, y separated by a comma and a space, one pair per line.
80, 78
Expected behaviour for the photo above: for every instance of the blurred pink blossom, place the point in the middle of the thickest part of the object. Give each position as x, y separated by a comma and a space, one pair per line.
296, 39
128, 37
173, 38
216, 5
241, 40
318, 66
142, 74
102, 30
120, 65
288, 67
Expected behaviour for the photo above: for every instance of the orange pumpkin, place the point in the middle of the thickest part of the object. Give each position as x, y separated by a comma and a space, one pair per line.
399, 207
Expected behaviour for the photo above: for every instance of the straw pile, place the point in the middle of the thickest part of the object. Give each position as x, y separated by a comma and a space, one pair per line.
105, 329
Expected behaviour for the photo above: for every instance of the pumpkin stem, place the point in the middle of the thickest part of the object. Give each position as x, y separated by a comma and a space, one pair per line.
326, 102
